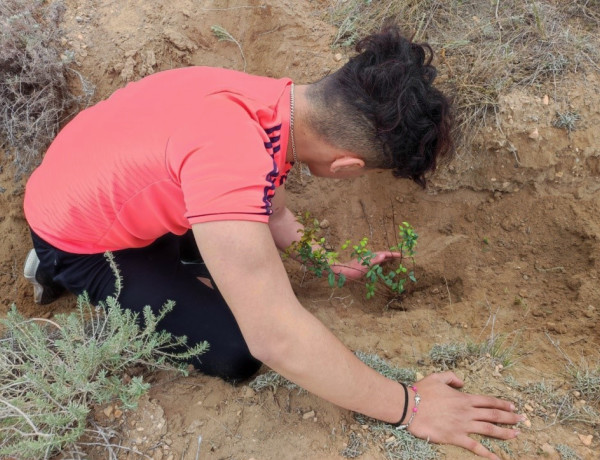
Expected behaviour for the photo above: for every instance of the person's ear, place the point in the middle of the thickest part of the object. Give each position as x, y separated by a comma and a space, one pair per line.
346, 163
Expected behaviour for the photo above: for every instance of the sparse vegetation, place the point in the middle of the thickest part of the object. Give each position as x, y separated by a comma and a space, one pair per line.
52, 373
224, 36
272, 380
566, 120
586, 381
35, 96
485, 48
553, 404
566, 453
449, 355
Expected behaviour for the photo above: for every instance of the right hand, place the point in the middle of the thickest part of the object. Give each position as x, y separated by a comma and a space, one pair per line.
448, 416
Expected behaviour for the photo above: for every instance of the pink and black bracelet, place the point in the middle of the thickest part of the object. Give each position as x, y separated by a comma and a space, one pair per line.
399, 425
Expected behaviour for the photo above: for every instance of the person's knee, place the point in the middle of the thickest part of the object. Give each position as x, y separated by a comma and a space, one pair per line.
234, 366
242, 368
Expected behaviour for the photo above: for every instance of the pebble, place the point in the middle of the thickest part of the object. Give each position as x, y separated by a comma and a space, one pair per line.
419, 376
308, 415
527, 423
108, 411
337, 57
117, 413
577, 394
586, 440
545, 100
249, 392
535, 134
390, 439
549, 451
324, 223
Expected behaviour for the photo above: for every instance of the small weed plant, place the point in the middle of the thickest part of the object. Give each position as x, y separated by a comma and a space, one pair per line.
311, 251
52, 373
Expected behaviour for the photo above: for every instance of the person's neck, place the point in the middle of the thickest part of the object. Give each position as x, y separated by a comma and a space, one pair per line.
302, 135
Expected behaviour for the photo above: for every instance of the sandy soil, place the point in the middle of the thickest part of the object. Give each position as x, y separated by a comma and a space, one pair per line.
508, 240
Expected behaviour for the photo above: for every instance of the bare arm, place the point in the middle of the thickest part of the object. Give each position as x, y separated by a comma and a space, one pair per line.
246, 267
244, 262
283, 225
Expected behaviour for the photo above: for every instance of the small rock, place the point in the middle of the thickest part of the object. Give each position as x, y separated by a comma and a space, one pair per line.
577, 394
534, 134
338, 57
118, 413
545, 100
586, 440
527, 423
108, 411
390, 439
324, 223
528, 408
419, 376
549, 451
308, 415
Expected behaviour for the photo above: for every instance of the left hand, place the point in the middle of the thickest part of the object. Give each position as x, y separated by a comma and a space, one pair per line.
355, 270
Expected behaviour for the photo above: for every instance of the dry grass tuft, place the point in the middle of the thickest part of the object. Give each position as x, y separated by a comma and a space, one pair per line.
34, 90
485, 48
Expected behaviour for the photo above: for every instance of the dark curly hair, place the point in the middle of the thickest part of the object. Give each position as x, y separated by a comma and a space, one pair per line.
382, 105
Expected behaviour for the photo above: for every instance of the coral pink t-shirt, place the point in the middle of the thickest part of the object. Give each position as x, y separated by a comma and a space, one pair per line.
176, 148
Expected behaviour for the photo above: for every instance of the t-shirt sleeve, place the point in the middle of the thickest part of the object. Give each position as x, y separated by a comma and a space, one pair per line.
224, 163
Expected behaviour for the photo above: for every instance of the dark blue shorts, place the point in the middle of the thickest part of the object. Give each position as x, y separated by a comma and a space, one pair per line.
151, 276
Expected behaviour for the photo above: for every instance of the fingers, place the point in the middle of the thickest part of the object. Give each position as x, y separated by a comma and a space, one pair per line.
450, 378
498, 416
476, 448
383, 255
493, 431
492, 403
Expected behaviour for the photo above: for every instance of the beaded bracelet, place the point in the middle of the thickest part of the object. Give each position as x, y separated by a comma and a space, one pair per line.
414, 410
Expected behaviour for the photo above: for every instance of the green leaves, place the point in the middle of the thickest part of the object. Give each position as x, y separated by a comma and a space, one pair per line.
311, 252
53, 372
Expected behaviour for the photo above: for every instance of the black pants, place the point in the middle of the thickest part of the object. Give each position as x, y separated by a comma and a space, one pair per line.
151, 276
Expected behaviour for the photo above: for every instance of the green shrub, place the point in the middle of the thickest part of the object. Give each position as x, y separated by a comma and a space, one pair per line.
53, 372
